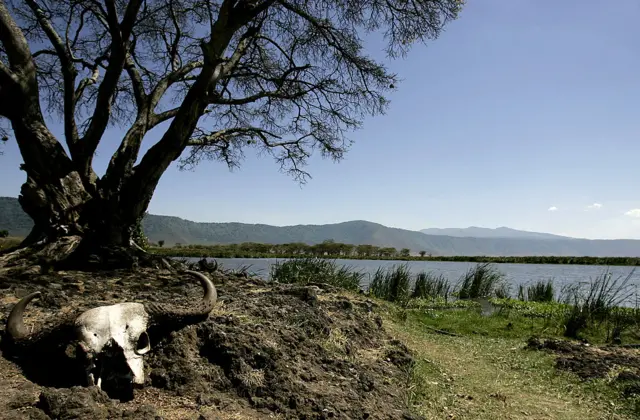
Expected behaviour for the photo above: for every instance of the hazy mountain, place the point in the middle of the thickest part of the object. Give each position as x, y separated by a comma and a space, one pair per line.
173, 229
13, 218
480, 232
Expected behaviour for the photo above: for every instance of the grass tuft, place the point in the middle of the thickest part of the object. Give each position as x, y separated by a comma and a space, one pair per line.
393, 285
597, 303
430, 286
481, 281
540, 291
311, 270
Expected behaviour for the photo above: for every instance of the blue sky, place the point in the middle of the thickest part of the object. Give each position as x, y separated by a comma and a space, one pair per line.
522, 114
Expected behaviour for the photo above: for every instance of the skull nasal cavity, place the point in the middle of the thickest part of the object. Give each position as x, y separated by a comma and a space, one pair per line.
143, 344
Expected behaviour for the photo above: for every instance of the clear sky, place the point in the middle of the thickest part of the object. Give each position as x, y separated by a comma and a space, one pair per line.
524, 113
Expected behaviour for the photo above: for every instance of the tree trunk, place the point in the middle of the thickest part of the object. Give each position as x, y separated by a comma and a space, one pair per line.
74, 229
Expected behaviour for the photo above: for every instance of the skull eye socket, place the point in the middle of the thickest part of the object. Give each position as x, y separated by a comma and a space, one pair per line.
143, 345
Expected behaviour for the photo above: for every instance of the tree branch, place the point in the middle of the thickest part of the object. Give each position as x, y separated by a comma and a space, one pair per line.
15, 45
69, 74
136, 82
277, 94
46, 161
228, 133
120, 34
173, 53
175, 76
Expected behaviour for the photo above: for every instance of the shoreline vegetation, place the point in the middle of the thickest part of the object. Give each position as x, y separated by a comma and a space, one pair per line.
335, 250
590, 310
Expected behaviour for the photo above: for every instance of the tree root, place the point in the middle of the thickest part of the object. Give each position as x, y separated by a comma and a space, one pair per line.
39, 256
74, 253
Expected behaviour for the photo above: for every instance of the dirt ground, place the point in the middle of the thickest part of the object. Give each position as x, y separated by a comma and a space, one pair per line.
266, 351
620, 365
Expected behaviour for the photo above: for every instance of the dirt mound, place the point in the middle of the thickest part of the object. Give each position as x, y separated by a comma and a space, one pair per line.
266, 351
620, 364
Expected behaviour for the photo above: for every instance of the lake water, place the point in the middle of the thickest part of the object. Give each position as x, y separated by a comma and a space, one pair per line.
516, 274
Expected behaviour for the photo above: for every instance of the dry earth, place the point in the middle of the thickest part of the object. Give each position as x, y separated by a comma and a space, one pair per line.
266, 351
619, 365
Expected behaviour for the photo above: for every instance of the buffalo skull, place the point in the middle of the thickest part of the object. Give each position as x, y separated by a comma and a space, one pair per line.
111, 340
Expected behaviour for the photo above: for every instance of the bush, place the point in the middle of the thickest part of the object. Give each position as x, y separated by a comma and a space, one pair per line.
315, 270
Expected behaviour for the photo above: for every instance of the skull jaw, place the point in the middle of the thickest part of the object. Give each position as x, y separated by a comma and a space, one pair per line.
120, 388
116, 375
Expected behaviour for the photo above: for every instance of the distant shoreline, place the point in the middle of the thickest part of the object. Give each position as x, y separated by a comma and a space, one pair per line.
355, 252
212, 252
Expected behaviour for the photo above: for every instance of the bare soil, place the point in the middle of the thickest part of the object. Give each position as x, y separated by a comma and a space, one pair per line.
620, 365
266, 351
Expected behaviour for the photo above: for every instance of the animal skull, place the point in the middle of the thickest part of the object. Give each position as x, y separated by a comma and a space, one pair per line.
120, 328
112, 340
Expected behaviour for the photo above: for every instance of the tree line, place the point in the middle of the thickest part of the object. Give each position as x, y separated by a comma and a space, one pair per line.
332, 249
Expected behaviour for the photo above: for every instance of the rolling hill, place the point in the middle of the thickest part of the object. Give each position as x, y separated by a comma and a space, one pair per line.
173, 229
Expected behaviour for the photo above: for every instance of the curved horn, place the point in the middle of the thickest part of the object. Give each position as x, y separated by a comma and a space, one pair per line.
163, 313
49, 335
15, 322
210, 292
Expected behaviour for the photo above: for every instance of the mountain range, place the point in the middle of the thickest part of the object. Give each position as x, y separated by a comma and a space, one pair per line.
469, 241
480, 232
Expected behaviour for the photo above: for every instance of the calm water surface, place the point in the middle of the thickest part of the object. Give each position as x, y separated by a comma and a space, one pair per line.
516, 274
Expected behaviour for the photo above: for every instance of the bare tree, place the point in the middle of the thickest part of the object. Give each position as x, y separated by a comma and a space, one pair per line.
288, 77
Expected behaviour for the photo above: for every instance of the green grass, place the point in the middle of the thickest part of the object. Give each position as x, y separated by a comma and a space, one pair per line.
428, 285
393, 284
397, 284
596, 304
485, 373
540, 291
315, 270
482, 280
